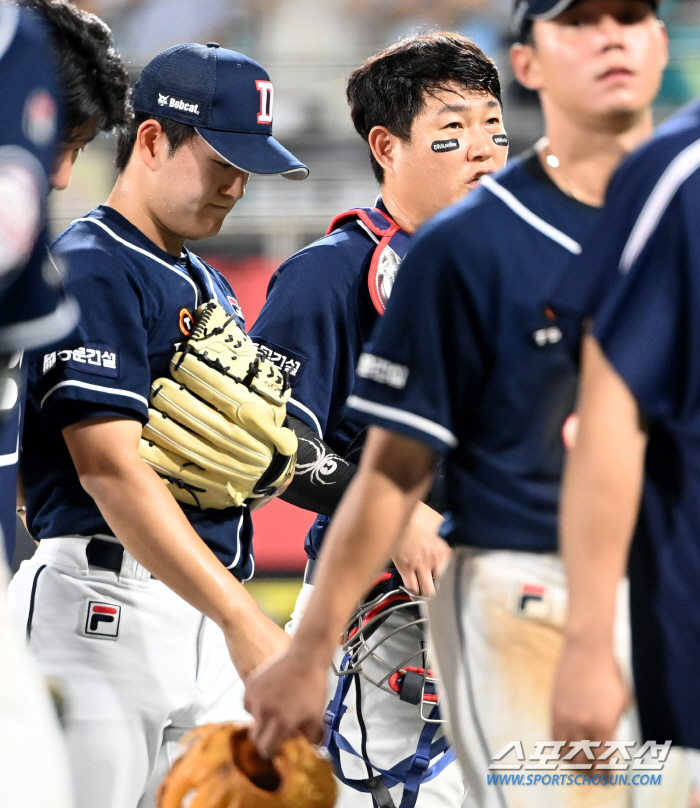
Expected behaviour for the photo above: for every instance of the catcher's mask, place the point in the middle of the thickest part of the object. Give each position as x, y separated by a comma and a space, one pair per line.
373, 649
410, 678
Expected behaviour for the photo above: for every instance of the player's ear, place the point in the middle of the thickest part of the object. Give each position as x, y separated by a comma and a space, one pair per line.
526, 66
149, 143
383, 146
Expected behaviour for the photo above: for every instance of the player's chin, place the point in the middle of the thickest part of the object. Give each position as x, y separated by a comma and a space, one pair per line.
205, 227
628, 98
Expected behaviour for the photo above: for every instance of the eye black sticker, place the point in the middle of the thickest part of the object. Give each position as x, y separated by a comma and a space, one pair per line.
500, 140
445, 145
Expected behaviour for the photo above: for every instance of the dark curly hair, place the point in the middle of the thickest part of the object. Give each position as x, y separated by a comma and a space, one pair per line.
389, 89
94, 82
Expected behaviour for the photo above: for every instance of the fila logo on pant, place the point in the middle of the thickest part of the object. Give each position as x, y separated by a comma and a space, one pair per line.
103, 620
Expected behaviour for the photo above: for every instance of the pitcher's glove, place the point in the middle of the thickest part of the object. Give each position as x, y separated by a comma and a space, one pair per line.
215, 434
221, 768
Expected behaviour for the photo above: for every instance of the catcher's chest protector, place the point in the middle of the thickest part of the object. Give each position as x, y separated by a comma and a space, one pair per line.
392, 243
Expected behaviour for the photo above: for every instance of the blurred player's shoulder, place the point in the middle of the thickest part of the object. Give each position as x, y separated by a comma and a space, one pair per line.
29, 101
469, 226
685, 120
482, 204
672, 148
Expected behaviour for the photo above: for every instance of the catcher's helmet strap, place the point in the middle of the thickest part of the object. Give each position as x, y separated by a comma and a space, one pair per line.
392, 243
411, 771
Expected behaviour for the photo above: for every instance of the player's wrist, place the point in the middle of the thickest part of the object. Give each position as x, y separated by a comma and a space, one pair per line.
589, 639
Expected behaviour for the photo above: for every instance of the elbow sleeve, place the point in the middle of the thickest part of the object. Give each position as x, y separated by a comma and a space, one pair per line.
321, 476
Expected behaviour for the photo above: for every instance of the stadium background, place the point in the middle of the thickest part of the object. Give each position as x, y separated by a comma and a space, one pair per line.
309, 47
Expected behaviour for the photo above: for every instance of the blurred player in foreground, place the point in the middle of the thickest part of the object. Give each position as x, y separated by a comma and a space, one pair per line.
139, 661
429, 108
93, 96
35, 99
468, 364
638, 440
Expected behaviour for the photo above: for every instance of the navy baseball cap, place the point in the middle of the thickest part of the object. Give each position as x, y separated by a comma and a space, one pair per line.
226, 96
525, 12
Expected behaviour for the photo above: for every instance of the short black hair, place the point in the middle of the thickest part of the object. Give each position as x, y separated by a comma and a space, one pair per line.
94, 82
389, 89
176, 132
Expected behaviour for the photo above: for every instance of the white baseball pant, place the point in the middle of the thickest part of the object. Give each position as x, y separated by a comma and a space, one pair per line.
133, 684
34, 771
497, 629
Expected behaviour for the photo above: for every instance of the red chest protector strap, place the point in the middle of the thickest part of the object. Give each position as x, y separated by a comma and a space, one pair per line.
392, 243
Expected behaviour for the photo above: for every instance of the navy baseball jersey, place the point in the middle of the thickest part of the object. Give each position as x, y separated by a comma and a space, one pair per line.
649, 329
469, 360
33, 309
318, 314
137, 304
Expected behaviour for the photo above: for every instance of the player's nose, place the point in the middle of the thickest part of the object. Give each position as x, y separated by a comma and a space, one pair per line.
480, 147
612, 31
235, 185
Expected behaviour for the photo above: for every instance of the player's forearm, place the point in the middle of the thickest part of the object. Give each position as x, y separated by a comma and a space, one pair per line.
154, 530
600, 499
149, 523
365, 530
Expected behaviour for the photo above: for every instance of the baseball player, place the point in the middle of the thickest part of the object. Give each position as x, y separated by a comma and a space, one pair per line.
636, 442
30, 739
94, 89
484, 380
429, 108
133, 602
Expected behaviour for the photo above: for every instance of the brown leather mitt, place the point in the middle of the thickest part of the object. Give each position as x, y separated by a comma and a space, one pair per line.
221, 768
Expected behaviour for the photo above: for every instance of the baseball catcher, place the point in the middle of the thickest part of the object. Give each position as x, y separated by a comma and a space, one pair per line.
221, 768
215, 431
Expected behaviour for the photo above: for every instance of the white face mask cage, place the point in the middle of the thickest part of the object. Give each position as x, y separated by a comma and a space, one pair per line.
370, 644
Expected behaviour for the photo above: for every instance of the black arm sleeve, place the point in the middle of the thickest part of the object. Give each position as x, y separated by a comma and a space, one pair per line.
321, 476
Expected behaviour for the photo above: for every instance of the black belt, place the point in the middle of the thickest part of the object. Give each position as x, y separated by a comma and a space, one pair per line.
106, 555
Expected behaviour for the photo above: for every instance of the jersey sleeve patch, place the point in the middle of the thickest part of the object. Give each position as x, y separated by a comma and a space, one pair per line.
382, 371
289, 361
102, 360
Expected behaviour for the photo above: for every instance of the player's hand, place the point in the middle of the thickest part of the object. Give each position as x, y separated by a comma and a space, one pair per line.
285, 697
422, 555
254, 641
589, 694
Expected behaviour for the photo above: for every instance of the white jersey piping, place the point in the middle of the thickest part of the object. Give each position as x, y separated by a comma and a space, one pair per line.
403, 417
142, 251
677, 172
372, 235
309, 413
238, 543
528, 216
98, 387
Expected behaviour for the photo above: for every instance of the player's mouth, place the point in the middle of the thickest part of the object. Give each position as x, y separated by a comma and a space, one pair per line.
613, 74
474, 181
